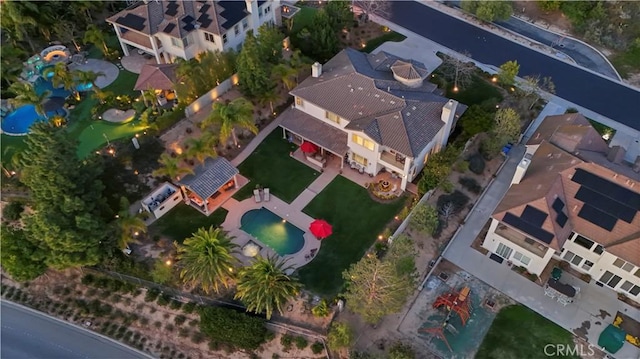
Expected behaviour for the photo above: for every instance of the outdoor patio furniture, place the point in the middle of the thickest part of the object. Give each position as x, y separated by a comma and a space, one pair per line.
256, 195
267, 195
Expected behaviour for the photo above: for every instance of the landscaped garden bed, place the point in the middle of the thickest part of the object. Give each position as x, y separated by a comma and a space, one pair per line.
183, 220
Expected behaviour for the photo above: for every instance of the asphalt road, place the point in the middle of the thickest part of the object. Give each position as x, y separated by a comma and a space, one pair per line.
610, 99
29, 334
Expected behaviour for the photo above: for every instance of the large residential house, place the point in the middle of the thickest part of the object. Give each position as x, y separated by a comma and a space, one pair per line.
375, 111
173, 29
574, 199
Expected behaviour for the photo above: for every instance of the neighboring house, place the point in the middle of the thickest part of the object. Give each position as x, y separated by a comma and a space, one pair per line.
375, 110
574, 199
182, 29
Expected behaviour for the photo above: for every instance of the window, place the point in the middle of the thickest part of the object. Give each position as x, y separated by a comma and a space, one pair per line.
610, 279
260, 14
637, 273
236, 29
209, 37
363, 142
360, 159
522, 258
176, 42
503, 251
332, 117
245, 24
626, 266
635, 290
186, 41
299, 101
224, 38
626, 285
587, 265
586, 243
267, 9
598, 249
573, 258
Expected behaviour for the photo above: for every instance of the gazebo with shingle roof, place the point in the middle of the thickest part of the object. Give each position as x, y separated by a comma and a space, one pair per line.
208, 181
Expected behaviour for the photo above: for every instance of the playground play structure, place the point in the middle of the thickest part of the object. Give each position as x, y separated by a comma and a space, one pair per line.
452, 302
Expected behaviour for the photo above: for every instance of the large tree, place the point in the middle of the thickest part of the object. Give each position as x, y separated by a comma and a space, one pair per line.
285, 74
22, 259
202, 147
375, 288
533, 86
129, 225
458, 71
507, 124
18, 18
62, 77
94, 35
254, 76
270, 44
476, 120
171, 167
264, 286
424, 218
508, 72
340, 14
323, 37
381, 8
206, 259
488, 10
237, 113
68, 219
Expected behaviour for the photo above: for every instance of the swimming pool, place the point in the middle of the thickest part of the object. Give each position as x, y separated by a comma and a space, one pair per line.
267, 227
17, 123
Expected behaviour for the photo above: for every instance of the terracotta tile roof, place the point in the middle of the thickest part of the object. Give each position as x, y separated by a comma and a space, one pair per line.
314, 130
361, 89
551, 124
156, 76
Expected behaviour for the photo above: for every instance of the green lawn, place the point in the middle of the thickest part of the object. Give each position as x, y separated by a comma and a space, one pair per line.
478, 91
303, 18
184, 220
518, 332
10, 145
271, 166
376, 42
93, 136
357, 221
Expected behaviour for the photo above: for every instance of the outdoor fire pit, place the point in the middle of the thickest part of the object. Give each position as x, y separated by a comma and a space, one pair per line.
384, 185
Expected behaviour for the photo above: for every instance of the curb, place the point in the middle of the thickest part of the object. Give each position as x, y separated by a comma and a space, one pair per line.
573, 39
78, 327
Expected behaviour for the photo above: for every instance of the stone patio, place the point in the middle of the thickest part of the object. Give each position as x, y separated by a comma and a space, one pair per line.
134, 62
110, 71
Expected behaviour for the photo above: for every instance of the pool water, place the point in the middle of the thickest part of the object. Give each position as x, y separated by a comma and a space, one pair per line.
19, 121
267, 227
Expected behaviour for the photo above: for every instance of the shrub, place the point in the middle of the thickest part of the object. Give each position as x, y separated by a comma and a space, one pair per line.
286, 341
462, 166
164, 299
184, 332
340, 336
457, 198
197, 337
301, 342
157, 324
169, 327
180, 319
447, 186
88, 279
424, 218
13, 211
476, 164
401, 351
189, 307
317, 348
322, 309
152, 295
233, 328
175, 304
471, 184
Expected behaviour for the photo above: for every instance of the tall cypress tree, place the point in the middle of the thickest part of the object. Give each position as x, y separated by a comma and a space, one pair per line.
252, 71
323, 36
68, 221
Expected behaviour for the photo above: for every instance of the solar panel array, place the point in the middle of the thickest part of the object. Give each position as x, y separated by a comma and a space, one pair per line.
172, 8
133, 21
605, 202
534, 231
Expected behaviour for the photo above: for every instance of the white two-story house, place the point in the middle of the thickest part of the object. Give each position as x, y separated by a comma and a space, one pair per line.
173, 29
376, 110
573, 199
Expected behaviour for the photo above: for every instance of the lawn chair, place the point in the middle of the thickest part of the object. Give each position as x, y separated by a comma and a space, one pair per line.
267, 195
256, 195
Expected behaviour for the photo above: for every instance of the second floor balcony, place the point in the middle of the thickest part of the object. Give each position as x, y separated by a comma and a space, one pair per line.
393, 159
521, 240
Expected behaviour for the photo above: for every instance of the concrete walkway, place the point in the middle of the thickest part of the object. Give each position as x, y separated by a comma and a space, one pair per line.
249, 148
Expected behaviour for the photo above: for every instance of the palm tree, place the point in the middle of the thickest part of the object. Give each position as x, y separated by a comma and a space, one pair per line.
202, 147
87, 77
58, 120
149, 97
171, 168
129, 225
95, 36
207, 260
18, 17
238, 112
264, 286
63, 77
268, 98
286, 74
26, 95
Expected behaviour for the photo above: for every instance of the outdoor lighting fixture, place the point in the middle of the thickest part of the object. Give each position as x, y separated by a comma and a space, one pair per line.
230, 269
284, 221
397, 218
513, 89
363, 45
497, 106
97, 152
168, 262
494, 79
137, 135
380, 237
136, 233
455, 88
117, 216
135, 172
13, 173
145, 132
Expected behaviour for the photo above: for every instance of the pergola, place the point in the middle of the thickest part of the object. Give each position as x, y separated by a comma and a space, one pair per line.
158, 77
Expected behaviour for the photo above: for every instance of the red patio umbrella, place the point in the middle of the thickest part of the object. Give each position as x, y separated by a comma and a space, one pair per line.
320, 228
308, 147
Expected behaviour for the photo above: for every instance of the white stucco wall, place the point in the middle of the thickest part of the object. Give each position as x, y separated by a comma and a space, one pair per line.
605, 263
536, 265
